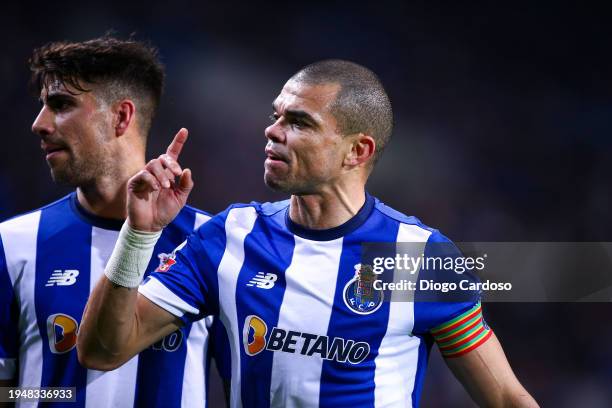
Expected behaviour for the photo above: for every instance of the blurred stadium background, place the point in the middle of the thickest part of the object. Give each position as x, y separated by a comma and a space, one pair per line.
503, 132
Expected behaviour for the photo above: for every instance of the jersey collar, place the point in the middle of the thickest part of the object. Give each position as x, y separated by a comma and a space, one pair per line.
92, 219
336, 232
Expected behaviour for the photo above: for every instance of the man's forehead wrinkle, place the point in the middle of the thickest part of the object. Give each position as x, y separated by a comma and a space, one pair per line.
319, 96
285, 102
299, 109
309, 100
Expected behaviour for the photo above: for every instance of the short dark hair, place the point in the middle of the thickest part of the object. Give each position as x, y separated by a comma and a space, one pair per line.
125, 68
361, 105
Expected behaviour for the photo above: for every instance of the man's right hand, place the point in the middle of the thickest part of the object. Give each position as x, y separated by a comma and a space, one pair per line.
154, 198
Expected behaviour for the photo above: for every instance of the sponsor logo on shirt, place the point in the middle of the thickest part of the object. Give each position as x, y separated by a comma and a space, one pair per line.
63, 278
359, 294
62, 333
165, 261
263, 281
256, 338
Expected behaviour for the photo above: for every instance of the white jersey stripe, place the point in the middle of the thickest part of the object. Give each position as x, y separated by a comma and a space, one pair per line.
19, 237
307, 307
114, 388
194, 390
398, 354
194, 379
239, 223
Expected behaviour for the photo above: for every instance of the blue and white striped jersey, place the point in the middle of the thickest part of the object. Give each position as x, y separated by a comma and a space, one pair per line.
50, 260
297, 337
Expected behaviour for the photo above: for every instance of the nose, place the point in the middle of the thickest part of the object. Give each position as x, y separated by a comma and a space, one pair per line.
43, 124
275, 132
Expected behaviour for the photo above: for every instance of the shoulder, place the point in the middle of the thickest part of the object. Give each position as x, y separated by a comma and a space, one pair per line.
199, 216
189, 219
28, 222
192, 210
410, 227
240, 218
19, 235
253, 209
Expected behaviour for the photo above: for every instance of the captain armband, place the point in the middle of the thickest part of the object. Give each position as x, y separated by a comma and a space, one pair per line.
462, 334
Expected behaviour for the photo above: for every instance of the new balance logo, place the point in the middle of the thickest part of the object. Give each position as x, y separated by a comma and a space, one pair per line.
63, 278
263, 281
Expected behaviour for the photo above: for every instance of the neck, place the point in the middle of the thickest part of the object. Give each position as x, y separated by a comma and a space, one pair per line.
106, 196
327, 209
104, 202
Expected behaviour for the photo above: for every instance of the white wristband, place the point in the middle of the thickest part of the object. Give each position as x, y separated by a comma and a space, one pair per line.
132, 253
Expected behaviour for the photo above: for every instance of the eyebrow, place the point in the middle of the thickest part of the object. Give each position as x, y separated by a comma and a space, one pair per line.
299, 114
57, 96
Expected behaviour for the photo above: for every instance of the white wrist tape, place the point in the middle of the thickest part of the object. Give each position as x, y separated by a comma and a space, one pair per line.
133, 250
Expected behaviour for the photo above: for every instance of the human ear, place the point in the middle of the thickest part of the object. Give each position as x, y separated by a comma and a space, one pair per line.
362, 150
124, 115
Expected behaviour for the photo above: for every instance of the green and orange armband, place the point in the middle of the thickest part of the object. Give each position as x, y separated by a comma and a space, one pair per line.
462, 334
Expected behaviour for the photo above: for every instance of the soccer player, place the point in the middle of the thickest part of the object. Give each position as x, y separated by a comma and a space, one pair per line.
98, 101
305, 330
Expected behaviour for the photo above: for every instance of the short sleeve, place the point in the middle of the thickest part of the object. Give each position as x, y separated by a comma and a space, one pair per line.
186, 283
447, 302
9, 320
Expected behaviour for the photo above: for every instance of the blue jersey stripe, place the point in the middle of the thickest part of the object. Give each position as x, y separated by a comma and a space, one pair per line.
220, 349
168, 355
63, 298
261, 255
424, 349
161, 368
343, 383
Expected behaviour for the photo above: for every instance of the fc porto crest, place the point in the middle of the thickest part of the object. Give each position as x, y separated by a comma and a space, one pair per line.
359, 295
165, 261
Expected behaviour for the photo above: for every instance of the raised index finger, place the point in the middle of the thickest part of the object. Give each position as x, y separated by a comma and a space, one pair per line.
175, 147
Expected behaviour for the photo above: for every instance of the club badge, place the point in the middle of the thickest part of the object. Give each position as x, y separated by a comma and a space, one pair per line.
360, 296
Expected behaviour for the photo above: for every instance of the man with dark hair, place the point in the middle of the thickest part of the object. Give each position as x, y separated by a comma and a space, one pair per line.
128, 70
307, 324
98, 100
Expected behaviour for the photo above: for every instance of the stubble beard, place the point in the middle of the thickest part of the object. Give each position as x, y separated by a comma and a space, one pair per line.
76, 173
83, 171
288, 186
